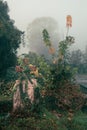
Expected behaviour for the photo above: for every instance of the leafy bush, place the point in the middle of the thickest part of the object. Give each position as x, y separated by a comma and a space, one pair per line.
5, 106
6, 88
67, 96
78, 122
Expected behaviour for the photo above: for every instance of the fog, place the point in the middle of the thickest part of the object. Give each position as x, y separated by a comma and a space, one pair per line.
24, 12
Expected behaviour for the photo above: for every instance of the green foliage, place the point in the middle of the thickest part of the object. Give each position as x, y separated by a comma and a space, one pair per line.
78, 59
61, 70
6, 106
60, 87
43, 68
37, 106
55, 90
50, 102
78, 122
41, 64
63, 53
6, 88
11, 75
48, 122
9, 42
46, 38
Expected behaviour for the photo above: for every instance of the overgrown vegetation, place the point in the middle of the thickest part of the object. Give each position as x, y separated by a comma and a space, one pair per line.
58, 103
9, 42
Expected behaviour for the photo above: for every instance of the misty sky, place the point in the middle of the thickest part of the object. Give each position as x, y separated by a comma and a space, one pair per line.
25, 11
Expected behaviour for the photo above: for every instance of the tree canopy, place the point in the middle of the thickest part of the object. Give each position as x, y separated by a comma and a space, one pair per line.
10, 39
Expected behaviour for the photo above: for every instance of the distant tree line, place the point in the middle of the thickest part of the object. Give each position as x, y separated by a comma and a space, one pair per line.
78, 59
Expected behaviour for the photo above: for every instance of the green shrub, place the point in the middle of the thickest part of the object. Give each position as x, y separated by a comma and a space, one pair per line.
5, 106
78, 122
47, 122
35, 124
6, 88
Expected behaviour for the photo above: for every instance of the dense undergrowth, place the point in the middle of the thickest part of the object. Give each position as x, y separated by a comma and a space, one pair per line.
46, 115
48, 120
58, 103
